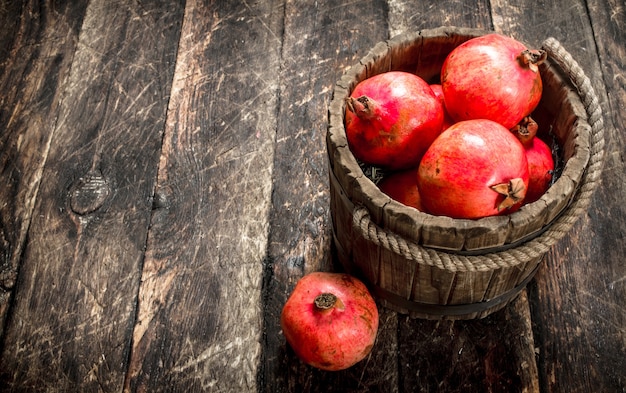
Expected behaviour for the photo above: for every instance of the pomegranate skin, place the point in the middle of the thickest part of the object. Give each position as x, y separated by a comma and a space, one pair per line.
464, 171
540, 168
402, 186
391, 119
447, 120
335, 338
485, 78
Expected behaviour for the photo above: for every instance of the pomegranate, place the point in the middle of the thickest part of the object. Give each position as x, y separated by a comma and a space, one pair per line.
402, 186
540, 168
492, 77
391, 119
475, 168
438, 90
330, 320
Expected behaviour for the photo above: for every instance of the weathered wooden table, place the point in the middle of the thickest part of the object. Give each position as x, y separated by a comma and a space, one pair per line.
165, 184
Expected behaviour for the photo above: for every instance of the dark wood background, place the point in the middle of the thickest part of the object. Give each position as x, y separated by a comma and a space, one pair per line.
165, 184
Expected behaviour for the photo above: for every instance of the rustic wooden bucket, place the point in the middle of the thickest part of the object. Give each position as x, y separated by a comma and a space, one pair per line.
438, 267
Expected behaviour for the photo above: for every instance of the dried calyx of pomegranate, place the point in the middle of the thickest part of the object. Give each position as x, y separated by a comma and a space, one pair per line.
526, 130
514, 191
532, 58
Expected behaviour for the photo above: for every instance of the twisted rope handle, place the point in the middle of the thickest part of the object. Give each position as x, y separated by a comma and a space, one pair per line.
594, 115
536, 247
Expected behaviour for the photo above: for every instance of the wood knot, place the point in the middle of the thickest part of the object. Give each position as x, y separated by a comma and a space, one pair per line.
89, 193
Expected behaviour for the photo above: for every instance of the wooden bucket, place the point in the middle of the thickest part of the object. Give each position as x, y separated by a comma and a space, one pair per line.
438, 267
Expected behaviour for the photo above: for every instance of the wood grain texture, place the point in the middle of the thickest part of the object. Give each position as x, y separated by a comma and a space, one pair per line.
199, 322
333, 36
494, 354
577, 307
74, 306
37, 44
412, 16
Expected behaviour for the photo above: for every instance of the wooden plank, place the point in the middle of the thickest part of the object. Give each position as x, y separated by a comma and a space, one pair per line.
412, 16
200, 319
37, 43
321, 40
487, 355
74, 306
578, 301
381, 371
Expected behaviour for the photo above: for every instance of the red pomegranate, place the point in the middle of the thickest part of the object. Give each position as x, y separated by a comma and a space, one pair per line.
330, 320
391, 119
475, 168
540, 169
402, 186
492, 77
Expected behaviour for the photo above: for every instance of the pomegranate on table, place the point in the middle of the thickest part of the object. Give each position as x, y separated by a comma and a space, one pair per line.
391, 119
475, 168
492, 77
330, 320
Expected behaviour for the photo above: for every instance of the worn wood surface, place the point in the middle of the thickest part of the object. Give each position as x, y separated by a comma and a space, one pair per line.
74, 304
200, 311
38, 46
165, 184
